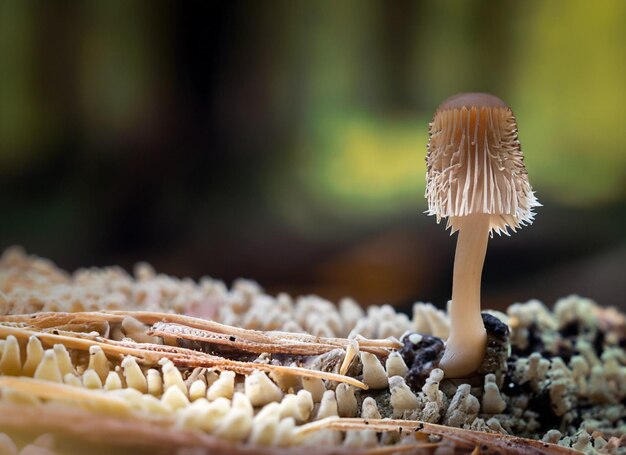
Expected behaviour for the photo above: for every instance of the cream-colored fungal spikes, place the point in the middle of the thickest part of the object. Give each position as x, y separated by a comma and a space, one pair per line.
265, 425
328, 406
197, 390
236, 425
91, 380
477, 179
347, 405
174, 398
98, 362
135, 378
369, 409
260, 389
224, 387
315, 386
154, 382
113, 381
475, 164
395, 365
402, 397
298, 406
63, 359
34, 354
374, 374
137, 331
10, 362
492, 400
48, 368
172, 376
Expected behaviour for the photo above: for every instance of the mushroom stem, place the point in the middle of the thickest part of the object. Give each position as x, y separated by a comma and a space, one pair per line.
465, 347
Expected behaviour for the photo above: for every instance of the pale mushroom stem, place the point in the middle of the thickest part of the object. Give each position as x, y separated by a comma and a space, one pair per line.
465, 347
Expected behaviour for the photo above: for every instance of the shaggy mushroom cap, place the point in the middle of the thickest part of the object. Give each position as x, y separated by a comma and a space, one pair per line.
475, 164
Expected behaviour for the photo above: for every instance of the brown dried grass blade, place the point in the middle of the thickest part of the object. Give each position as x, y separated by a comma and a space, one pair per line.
165, 329
491, 442
48, 320
70, 340
152, 353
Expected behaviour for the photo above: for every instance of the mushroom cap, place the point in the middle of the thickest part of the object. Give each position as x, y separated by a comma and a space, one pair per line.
475, 164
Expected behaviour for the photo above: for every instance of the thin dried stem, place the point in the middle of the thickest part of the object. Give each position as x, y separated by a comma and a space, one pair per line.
48, 320
152, 353
178, 331
494, 442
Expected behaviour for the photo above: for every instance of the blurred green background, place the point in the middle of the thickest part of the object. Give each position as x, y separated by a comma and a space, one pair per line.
284, 141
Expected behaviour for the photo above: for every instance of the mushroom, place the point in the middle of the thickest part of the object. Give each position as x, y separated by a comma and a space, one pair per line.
476, 178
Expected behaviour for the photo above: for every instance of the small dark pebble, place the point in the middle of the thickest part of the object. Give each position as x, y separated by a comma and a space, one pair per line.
495, 327
542, 405
421, 358
232, 339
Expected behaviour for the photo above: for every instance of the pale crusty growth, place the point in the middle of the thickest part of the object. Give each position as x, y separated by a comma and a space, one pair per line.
154, 382
174, 398
298, 406
374, 374
137, 331
223, 387
48, 369
395, 365
265, 425
260, 389
98, 362
369, 409
402, 397
91, 384
428, 320
10, 363
492, 400
197, 390
34, 354
463, 407
315, 386
133, 375
328, 406
91, 380
236, 425
172, 376
346, 401
475, 164
113, 381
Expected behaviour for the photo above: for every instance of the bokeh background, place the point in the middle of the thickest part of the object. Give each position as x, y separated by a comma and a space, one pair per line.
284, 141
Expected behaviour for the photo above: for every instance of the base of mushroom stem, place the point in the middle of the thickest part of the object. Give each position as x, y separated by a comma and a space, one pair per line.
422, 354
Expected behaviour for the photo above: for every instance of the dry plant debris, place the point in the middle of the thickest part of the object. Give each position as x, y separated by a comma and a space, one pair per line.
152, 364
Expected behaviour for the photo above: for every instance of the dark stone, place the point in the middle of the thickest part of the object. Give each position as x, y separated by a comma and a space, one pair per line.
495, 327
498, 346
421, 358
542, 405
